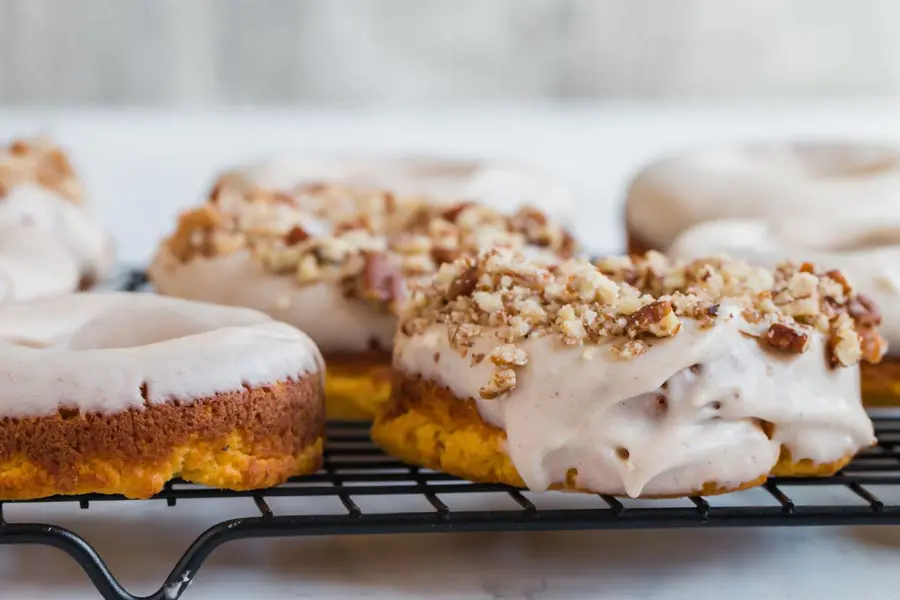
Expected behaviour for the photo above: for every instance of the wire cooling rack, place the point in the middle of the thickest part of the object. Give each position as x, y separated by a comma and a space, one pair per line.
866, 492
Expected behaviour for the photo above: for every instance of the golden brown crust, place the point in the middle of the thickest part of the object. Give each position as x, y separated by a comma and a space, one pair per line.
253, 438
357, 384
426, 425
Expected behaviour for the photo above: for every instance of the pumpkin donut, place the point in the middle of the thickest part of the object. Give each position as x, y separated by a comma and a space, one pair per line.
117, 393
640, 377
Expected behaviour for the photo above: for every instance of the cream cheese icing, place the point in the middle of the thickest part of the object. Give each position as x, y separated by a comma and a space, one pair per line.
337, 323
96, 351
867, 250
832, 180
666, 422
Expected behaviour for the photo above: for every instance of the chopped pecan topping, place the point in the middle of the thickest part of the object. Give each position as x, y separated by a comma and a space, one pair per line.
38, 162
626, 302
864, 311
445, 255
656, 317
501, 382
381, 278
509, 355
19, 148
452, 213
788, 339
464, 283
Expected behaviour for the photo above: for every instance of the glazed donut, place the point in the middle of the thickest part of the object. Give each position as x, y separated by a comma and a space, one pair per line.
868, 251
50, 242
762, 180
118, 393
336, 274
638, 377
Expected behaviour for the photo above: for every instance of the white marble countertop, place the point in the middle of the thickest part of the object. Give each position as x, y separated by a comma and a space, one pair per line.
142, 167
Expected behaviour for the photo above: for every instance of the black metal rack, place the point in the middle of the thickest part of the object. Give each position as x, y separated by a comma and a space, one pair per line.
354, 468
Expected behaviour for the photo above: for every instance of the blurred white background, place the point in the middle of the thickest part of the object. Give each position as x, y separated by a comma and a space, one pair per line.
432, 52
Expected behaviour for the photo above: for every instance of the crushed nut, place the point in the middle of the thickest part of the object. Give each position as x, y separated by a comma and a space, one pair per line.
38, 162
787, 339
509, 355
501, 382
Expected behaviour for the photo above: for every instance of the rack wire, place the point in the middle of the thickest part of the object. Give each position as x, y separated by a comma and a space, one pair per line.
355, 469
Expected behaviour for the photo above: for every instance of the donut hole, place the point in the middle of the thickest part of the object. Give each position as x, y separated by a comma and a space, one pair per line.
622, 453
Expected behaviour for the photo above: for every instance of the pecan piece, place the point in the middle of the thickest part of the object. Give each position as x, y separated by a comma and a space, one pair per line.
657, 318
872, 345
381, 279
500, 383
509, 355
786, 338
296, 235
452, 213
19, 148
464, 283
444, 255
864, 311
649, 314
839, 277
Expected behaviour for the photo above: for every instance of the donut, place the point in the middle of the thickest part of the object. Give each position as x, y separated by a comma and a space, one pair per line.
334, 261
117, 393
640, 376
49, 241
767, 180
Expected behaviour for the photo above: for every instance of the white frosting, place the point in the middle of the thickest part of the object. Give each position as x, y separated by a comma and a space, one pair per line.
95, 351
500, 186
573, 407
868, 251
47, 244
336, 323
830, 180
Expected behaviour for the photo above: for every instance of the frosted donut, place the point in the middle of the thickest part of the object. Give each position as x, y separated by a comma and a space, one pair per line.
868, 251
763, 180
118, 393
692, 379
50, 242
337, 280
